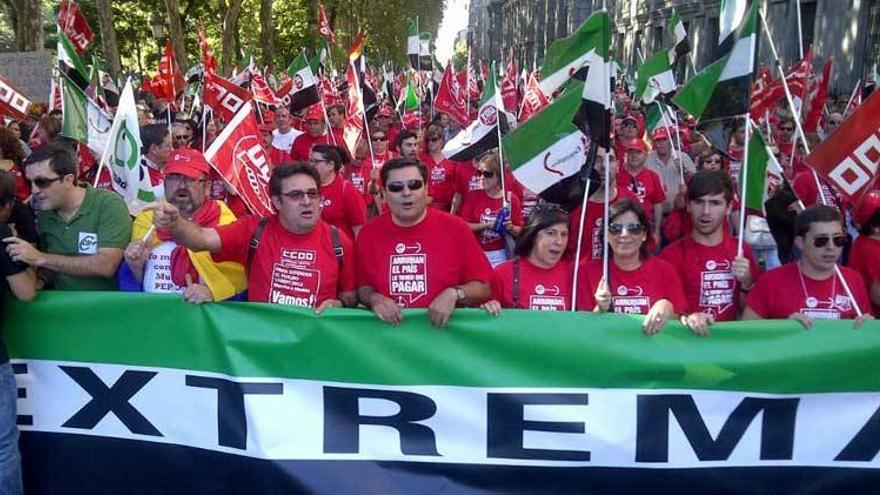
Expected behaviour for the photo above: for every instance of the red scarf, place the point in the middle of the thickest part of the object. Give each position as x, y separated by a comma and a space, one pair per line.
206, 216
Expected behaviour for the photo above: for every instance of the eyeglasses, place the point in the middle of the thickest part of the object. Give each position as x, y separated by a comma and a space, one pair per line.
435, 139
43, 182
629, 124
379, 138
712, 160
183, 137
297, 195
615, 228
412, 185
488, 174
181, 179
822, 240
787, 129
833, 122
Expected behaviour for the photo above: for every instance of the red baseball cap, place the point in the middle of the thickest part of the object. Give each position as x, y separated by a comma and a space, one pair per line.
187, 162
411, 120
635, 144
660, 133
869, 205
314, 112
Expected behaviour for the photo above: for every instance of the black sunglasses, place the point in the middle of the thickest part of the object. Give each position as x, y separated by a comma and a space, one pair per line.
379, 138
822, 240
43, 182
435, 139
488, 174
787, 129
618, 228
297, 195
412, 185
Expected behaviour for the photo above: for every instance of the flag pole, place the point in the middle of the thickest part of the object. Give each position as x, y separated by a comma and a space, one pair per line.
607, 202
852, 96
357, 82
467, 79
743, 189
580, 239
204, 125
797, 6
499, 111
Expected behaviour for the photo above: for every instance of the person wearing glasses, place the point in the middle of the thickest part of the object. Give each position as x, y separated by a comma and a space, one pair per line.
181, 135
540, 276
482, 208
380, 139
645, 185
341, 203
441, 185
154, 262
303, 143
638, 284
832, 122
809, 289
156, 145
714, 278
713, 161
83, 231
413, 256
785, 137
291, 258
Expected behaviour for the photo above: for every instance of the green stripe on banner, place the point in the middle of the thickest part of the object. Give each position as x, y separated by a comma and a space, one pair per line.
517, 349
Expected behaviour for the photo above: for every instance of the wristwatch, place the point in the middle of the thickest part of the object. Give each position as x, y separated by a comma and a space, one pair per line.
459, 293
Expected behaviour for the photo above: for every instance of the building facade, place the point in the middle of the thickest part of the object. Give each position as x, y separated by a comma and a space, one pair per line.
845, 31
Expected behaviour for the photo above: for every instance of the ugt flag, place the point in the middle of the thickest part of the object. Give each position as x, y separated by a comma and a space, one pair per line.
123, 154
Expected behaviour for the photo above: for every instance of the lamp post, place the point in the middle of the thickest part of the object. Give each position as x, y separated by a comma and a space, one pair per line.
157, 26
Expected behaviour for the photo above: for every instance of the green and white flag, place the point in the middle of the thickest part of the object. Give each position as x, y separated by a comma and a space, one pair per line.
731, 14
305, 87
567, 56
655, 118
655, 78
82, 118
548, 147
721, 90
69, 62
764, 172
123, 154
681, 44
482, 134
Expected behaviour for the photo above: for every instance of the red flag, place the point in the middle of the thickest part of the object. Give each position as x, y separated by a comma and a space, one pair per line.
75, 26
817, 102
849, 160
285, 92
261, 90
238, 156
55, 98
534, 100
763, 94
509, 93
354, 123
357, 46
450, 98
223, 97
324, 26
12, 102
207, 58
169, 78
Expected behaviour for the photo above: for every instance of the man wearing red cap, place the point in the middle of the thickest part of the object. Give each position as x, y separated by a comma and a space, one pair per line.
156, 263
669, 165
644, 184
866, 248
283, 137
302, 145
293, 257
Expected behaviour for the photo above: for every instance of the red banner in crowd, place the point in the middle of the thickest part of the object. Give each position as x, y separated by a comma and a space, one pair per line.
817, 102
223, 97
238, 156
534, 100
170, 81
850, 157
75, 26
261, 90
12, 103
450, 97
324, 25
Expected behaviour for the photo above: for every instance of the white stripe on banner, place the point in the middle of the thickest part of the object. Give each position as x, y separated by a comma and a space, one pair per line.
315, 420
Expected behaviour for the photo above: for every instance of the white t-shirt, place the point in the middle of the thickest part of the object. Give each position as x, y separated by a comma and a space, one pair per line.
157, 270
284, 141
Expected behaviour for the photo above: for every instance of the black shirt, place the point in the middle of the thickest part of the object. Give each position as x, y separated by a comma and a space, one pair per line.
9, 268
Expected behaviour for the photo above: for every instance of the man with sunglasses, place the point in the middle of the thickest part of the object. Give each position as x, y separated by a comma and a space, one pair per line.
809, 289
83, 230
155, 263
292, 258
181, 135
417, 257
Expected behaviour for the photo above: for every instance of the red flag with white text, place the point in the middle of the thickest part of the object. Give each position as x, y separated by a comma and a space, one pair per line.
224, 98
450, 97
75, 25
261, 90
534, 100
324, 25
12, 102
239, 157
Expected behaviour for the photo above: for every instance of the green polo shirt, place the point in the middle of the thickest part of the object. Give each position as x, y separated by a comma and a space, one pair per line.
101, 222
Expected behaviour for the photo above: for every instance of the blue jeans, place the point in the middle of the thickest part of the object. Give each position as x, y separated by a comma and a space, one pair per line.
10, 459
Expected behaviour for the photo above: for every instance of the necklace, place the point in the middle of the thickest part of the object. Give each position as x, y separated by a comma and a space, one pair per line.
811, 301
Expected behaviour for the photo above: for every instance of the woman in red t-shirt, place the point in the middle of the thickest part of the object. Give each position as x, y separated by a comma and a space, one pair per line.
441, 172
637, 284
341, 203
866, 248
539, 277
482, 208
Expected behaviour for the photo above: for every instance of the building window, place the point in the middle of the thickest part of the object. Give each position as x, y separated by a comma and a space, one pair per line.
808, 23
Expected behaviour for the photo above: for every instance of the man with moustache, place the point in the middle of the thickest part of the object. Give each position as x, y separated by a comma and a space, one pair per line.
292, 258
154, 262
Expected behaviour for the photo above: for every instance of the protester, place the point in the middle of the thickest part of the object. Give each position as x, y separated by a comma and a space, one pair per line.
712, 160
714, 277
407, 143
645, 185
672, 167
48, 128
282, 137
441, 171
181, 135
314, 134
336, 116
638, 284
342, 204
12, 160
865, 255
417, 257
291, 258
19, 129
14, 212
83, 231
154, 262
538, 277
156, 145
809, 290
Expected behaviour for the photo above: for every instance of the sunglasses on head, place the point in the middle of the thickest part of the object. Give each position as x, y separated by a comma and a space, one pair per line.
43, 182
822, 240
615, 228
412, 185
488, 174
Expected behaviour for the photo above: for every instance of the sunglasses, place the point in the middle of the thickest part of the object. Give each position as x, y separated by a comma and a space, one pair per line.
615, 228
787, 129
297, 195
712, 160
183, 136
379, 138
43, 182
629, 124
412, 185
488, 174
435, 139
822, 240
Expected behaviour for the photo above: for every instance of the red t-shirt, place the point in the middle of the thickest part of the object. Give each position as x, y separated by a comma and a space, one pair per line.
357, 176
288, 268
338, 135
541, 289
591, 247
782, 292
708, 284
481, 208
635, 291
466, 179
302, 146
342, 205
441, 181
413, 265
645, 186
805, 187
863, 259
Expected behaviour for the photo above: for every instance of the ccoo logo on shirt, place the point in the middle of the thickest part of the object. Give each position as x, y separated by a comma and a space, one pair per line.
88, 243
